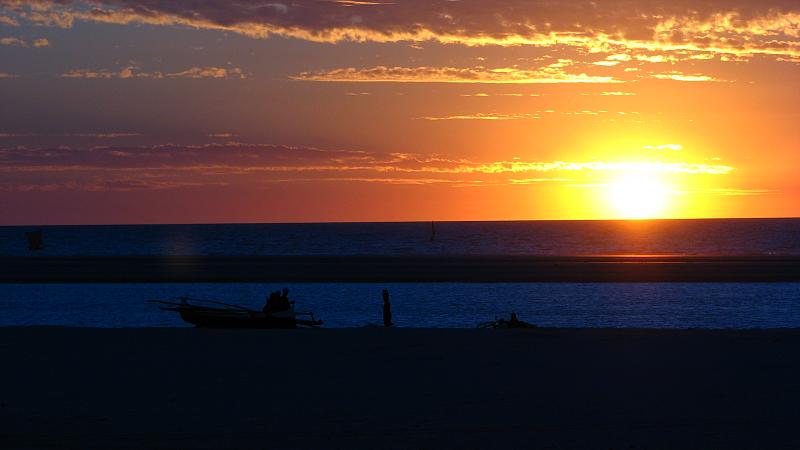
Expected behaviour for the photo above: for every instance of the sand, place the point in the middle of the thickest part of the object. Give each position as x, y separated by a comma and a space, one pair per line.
46, 269
398, 388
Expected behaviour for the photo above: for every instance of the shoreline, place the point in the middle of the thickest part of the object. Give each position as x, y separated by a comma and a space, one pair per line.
368, 269
399, 388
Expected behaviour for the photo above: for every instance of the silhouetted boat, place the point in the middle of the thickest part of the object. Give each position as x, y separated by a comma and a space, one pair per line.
514, 322
225, 315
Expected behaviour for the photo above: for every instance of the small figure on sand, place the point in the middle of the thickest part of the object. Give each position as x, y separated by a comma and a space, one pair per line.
387, 309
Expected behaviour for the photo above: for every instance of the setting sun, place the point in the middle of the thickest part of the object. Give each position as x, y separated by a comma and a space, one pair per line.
638, 196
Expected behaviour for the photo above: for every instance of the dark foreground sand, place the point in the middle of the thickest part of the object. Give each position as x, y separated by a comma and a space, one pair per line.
399, 388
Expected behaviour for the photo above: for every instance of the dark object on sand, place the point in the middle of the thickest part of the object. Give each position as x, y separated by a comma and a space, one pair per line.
387, 309
35, 240
213, 314
513, 322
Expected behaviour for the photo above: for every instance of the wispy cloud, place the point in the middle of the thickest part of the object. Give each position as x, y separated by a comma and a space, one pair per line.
503, 75
742, 192
538, 180
678, 76
8, 75
482, 116
736, 27
132, 72
104, 135
229, 163
20, 42
8, 21
8, 40
673, 147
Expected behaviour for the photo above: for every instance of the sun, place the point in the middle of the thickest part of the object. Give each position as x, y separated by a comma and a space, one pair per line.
638, 196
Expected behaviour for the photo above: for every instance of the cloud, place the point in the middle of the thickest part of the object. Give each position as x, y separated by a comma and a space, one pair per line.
20, 42
135, 72
742, 192
8, 75
538, 180
170, 166
103, 135
678, 76
673, 147
617, 93
13, 41
424, 74
106, 135
360, 3
209, 72
8, 21
740, 27
483, 116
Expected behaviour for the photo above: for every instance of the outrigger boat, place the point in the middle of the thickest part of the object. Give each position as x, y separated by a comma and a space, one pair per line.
214, 314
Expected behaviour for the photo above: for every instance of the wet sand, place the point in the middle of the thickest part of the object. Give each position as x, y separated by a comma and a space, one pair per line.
398, 388
45, 269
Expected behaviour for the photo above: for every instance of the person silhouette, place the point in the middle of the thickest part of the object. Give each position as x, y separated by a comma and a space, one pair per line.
387, 309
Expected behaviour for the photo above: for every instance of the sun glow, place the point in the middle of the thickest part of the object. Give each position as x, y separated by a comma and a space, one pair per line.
639, 196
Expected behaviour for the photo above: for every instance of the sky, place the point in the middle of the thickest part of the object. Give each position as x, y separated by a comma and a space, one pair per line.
186, 111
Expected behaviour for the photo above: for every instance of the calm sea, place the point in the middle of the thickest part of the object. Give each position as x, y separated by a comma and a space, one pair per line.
662, 305
689, 237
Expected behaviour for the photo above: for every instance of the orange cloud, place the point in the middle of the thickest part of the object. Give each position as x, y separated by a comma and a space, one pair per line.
13, 41
503, 75
8, 21
483, 116
136, 72
174, 166
678, 76
739, 27
742, 192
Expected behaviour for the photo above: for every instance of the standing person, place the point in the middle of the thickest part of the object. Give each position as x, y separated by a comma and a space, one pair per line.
387, 309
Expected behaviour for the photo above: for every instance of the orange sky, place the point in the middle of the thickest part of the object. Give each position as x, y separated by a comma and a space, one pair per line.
141, 111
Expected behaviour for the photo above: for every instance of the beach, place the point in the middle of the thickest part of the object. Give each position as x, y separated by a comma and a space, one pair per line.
398, 388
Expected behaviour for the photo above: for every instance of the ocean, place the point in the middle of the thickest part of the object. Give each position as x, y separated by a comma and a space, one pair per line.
438, 305
648, 305
561, 238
